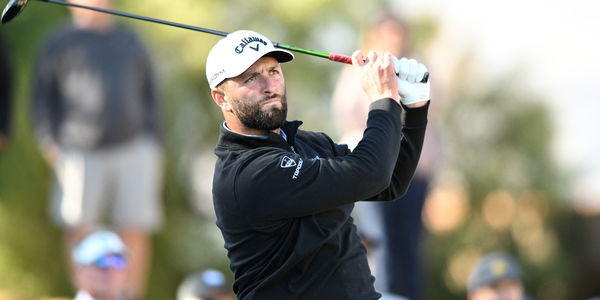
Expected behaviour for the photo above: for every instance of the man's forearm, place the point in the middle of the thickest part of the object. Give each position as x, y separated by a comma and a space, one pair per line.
413, 135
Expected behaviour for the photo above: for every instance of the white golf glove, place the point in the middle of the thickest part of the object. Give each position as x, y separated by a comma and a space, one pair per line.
410, 73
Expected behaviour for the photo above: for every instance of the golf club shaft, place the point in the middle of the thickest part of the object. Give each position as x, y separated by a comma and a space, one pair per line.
333, 57
137, 17
329, 56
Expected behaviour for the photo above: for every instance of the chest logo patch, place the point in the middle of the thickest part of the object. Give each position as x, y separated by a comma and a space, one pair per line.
287, 162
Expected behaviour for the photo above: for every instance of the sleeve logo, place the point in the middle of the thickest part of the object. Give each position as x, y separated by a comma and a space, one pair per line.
287, 162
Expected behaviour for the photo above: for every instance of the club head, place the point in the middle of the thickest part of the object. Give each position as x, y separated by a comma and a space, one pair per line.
13, 9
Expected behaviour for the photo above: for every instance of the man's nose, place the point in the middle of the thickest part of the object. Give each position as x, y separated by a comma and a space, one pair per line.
268, 85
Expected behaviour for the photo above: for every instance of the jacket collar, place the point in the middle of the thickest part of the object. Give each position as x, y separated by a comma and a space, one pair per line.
236, 141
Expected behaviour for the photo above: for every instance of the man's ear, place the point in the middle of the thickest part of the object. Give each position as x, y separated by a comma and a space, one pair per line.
219, 98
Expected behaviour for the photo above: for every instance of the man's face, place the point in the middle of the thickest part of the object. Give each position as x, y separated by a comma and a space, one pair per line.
503, 290
91, 16
102, 282
257, 96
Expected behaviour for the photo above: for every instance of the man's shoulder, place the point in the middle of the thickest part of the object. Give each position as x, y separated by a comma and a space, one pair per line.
58, 35
248, 157
313, 136
126, 31
320, 141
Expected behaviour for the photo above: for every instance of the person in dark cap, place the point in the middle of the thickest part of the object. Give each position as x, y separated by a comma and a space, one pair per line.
206, 285
496, 276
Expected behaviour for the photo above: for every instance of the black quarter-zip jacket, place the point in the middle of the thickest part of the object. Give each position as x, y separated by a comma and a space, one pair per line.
283, 206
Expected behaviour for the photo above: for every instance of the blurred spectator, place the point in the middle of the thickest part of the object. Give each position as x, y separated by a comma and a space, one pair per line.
5, 95
100, 262
96, 115
496, 276
207, 285
583, 251
369, 246
393, 228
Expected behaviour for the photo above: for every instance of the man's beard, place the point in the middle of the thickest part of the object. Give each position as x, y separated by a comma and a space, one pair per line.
252, 116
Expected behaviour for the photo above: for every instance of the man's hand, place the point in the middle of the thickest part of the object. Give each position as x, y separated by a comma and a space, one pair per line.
413, 93
377, 75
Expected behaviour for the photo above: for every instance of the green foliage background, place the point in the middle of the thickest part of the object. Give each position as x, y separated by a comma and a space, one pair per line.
517, 127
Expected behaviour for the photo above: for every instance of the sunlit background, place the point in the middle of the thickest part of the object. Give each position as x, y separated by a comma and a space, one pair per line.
515, 98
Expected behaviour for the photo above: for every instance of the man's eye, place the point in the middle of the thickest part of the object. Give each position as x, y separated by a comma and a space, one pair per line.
251, 78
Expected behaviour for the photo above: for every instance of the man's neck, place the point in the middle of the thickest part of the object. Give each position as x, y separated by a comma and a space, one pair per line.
249, 131
100, 26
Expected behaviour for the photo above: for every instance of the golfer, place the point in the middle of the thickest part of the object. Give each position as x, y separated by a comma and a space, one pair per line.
283, 195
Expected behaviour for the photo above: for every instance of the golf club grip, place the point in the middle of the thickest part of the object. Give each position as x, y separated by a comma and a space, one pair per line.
340, 58
347, 60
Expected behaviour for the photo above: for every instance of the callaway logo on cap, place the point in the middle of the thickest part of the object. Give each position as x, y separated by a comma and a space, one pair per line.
247, 40
236, 52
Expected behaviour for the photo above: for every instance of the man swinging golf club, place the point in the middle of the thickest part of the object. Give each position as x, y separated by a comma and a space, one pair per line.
282, 195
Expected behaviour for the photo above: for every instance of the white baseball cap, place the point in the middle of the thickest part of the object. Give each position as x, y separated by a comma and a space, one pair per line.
235, 53
96, 245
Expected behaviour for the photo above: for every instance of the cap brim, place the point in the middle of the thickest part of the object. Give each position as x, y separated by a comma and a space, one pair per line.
280, 55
